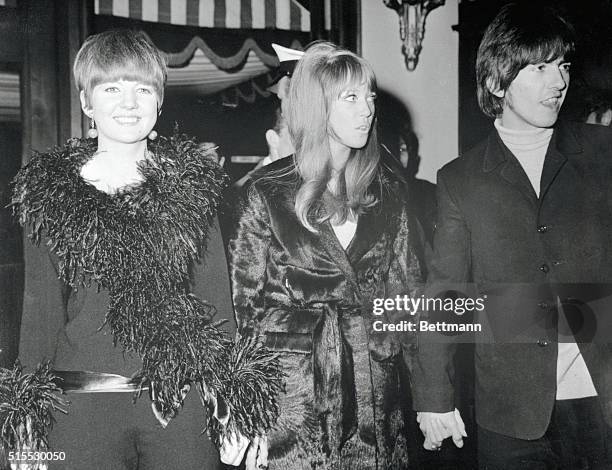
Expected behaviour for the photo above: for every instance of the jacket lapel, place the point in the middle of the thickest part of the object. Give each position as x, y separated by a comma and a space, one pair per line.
563, 143
498, 158
337, 254
370, 227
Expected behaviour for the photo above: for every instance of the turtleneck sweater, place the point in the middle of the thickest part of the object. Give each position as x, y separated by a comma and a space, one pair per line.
529, 147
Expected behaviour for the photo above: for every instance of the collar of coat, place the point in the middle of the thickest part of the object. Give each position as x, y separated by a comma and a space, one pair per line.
376, 228
564, 141
109, 238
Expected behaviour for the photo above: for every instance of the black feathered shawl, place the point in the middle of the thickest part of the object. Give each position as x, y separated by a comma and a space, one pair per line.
138, 244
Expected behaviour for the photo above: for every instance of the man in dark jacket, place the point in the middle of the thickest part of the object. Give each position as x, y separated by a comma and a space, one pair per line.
526, 219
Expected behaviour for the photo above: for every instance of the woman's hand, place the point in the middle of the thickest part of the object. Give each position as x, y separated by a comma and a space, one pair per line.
233, 450
257, 455
27, 447
165, 419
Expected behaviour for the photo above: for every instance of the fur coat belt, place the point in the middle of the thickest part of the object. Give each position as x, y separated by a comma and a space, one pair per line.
319, 328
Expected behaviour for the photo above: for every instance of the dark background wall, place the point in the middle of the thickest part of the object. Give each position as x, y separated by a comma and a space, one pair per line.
11, 254
238, 130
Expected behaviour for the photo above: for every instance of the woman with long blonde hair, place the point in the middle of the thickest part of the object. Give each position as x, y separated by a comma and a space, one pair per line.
322, 237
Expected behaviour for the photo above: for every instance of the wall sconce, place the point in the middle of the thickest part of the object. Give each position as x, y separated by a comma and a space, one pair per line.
412, 15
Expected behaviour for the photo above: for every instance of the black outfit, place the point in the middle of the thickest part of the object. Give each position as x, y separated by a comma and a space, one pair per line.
523, 252
66, 323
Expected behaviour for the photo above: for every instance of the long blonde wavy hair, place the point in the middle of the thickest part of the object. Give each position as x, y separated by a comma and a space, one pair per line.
321, 75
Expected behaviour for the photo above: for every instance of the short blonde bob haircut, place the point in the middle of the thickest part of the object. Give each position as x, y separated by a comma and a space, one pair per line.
120, 54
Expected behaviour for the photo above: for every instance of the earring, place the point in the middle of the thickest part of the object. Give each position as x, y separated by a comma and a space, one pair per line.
92, 133
152, 135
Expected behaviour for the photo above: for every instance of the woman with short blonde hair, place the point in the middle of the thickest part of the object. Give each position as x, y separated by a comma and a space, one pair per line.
125, 215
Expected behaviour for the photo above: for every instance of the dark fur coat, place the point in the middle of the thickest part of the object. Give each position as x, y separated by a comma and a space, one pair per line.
347, 390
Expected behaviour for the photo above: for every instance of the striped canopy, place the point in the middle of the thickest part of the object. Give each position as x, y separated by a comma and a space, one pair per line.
202, 62
228, 14
9, 97
214, 45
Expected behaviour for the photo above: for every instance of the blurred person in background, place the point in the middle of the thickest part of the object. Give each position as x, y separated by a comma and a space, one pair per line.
279, 146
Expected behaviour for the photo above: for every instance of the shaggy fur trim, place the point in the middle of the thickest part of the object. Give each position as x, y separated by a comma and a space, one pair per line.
27, 402
138, 244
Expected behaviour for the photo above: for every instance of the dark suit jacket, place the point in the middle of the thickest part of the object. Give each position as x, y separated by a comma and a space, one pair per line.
523, 252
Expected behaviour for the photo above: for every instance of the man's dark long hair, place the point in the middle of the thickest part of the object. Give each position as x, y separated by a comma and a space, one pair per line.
520, 34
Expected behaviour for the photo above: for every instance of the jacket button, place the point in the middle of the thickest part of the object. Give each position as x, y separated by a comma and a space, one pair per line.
543, 228
544, 268
542, 343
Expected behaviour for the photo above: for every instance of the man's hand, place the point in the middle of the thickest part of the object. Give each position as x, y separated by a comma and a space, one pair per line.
438, 426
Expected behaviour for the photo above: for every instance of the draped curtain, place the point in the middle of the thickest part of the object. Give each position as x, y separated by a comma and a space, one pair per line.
213, 45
